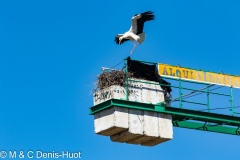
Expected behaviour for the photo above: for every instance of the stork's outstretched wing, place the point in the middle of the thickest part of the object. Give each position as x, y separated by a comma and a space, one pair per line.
138, 21
117, 39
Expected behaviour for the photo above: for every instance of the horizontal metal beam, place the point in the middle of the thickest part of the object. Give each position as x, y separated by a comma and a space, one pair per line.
204, 104
195, 115
181, 117
203, 116
208, 127
121, 103
100, 107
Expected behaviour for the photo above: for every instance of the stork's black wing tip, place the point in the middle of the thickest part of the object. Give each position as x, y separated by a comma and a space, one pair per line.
148, 15
116, 40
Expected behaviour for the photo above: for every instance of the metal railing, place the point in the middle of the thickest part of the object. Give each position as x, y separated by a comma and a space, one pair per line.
181, 88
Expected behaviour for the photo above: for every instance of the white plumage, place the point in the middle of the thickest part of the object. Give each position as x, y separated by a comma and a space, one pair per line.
135, 33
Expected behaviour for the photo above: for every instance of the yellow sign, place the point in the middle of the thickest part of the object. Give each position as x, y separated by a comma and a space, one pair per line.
166, 70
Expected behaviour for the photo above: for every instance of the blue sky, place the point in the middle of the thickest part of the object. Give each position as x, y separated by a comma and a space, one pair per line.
52, 51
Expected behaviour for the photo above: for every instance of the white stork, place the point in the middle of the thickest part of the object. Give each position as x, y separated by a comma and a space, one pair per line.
136, 31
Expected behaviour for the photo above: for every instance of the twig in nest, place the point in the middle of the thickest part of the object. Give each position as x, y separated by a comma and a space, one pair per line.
107, 79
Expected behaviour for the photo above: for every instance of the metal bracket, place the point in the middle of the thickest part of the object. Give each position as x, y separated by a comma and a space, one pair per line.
204, 126
238, 132
175, 124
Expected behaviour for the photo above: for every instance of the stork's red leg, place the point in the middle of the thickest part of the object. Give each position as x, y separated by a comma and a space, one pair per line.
134, 48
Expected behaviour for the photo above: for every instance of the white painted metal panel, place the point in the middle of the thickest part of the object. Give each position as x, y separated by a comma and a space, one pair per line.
135, 121
165, 130
112, 92
138, 92
146, 128
165, 126
159, 94
150, 126
111, 121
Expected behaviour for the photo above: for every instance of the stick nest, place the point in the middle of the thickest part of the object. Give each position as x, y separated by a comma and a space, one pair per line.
115, 77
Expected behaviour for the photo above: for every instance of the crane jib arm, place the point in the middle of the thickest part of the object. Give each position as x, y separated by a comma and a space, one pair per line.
189, 74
